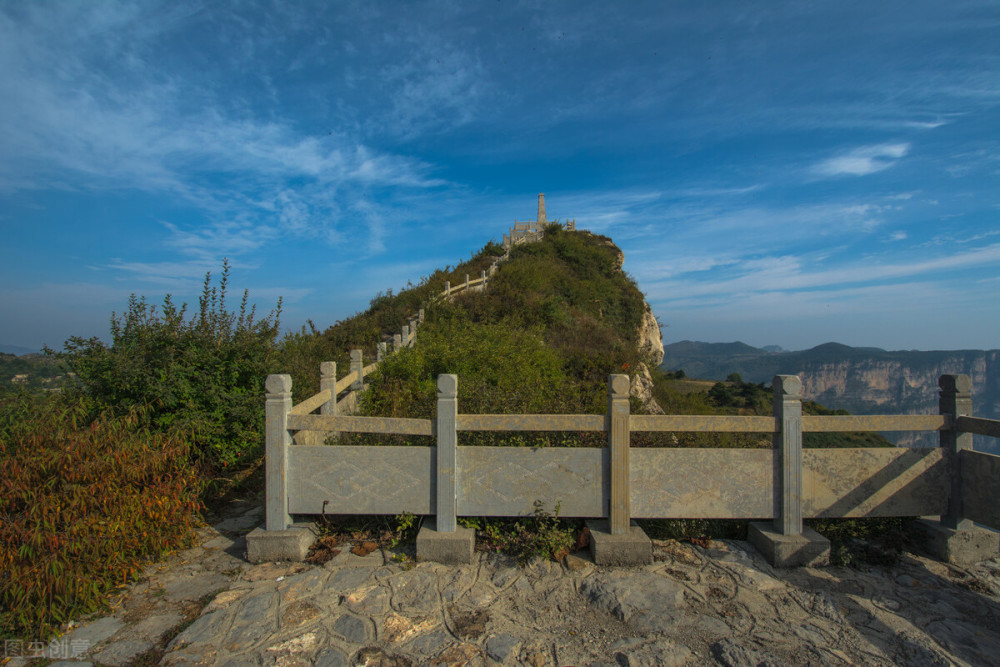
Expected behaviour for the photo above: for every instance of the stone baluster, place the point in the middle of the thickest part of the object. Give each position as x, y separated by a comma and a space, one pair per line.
447, 453
784, 541
277, 440
357, 366
955, 401
328, 382
788, 454
618, 445
618, 541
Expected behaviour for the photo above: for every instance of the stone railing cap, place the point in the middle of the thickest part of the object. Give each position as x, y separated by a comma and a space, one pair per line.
278, 384
961, 383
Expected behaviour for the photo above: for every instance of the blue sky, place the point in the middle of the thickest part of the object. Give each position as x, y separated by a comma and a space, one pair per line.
776, 173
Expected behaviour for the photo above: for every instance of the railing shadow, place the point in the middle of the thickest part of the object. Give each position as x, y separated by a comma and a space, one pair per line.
907, 486
917, 598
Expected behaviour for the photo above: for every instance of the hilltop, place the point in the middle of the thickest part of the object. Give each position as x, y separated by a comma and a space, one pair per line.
558, 317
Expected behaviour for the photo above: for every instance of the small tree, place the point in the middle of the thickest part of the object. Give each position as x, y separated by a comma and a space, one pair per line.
204, 374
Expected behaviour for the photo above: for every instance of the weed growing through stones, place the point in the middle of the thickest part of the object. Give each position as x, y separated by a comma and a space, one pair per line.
863, 543
541, 535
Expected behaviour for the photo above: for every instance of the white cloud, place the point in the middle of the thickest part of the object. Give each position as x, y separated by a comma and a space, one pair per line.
862, 161
790, 273
88, 109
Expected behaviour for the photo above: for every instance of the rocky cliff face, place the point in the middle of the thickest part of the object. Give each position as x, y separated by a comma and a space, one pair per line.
901, 384
904, 385
650, 338
860, 380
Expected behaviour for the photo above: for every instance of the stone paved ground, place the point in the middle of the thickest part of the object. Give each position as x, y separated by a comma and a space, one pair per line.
721, 605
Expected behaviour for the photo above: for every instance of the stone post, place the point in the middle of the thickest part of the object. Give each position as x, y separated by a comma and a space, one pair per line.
618, 446
279, 538
784, 541
956, 539
441, 539
467, 282
955, 401
482, 276
397, 342
357, 366
618, 541
541, 210
447, 451
447, 288
404, 335
328, 381
277, 440
787, 398
380, 352
420, 315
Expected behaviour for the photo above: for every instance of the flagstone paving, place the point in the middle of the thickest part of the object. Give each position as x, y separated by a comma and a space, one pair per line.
721, 605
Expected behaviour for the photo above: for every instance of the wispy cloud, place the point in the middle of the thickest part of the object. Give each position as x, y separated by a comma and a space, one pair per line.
110, 119
792, 273
863, 161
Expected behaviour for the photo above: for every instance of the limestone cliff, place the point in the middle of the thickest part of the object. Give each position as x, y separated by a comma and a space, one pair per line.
650, 338
904, 384
860, 380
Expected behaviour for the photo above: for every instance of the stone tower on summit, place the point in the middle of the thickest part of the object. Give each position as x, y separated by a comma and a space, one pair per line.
532, 229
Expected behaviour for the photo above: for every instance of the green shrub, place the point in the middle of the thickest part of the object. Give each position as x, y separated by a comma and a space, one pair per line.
84, 506
204, 375
541, 535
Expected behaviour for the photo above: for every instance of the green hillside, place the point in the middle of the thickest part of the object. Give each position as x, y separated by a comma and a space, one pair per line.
558, 318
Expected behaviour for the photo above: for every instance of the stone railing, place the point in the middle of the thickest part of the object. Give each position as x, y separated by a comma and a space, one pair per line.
526, 232
617, 483
340, 397
522, 232
477, 285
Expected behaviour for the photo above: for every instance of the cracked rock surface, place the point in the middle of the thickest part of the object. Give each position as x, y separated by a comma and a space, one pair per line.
721, 605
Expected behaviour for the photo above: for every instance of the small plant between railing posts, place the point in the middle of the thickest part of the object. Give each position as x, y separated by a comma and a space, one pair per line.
775, 487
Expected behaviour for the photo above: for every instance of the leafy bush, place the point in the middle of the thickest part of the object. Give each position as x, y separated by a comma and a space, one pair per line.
84, 507
204, 375
541, 535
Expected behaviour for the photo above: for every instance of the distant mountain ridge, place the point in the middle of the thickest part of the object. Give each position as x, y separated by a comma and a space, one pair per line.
16, 350
858, 379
